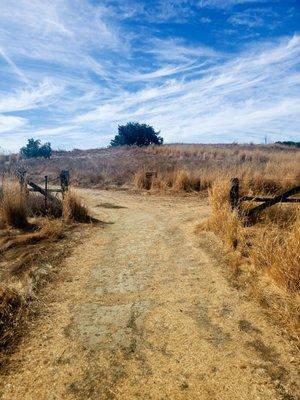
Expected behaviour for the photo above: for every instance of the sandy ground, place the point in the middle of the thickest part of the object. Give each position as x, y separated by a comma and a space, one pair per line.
143, 310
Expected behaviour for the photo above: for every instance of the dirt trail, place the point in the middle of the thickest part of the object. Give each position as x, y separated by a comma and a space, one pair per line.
143, 311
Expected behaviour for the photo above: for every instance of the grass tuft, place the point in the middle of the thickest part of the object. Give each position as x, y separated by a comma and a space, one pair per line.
13, 206
11, 300
140, 180
74, 209
277, 251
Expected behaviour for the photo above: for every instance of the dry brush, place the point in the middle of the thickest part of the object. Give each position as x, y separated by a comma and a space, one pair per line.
265, 257
33, 242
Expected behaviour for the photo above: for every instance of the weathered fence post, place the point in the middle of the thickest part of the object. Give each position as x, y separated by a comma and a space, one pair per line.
234, 193
21, 174
46, 193
64, 178
149, 177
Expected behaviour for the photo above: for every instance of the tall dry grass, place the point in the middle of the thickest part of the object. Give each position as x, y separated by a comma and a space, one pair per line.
27, 258
277, 251
262, 255
223, 221
74, 208
263, 168
141, 181
11, 302
13, 205
176, 181
17, 205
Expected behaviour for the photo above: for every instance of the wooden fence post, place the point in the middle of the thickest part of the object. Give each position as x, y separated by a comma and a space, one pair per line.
21, 174
234, 193
149, 176
64, 178
46, 193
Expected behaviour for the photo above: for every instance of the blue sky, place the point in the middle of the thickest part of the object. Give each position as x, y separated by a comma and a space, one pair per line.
198, 70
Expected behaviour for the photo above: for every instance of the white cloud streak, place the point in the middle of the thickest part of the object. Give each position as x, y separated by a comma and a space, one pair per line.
226, 3
252, 92
44, 94
14, 67
71, 72
10, 123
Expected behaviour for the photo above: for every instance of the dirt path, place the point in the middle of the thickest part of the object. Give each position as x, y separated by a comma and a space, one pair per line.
142, 311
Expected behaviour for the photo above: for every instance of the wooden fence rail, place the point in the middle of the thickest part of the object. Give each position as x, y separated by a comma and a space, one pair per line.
252, 214
30, 186
45, 192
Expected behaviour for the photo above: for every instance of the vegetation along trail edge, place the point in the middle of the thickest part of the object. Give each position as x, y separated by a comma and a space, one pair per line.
143, 311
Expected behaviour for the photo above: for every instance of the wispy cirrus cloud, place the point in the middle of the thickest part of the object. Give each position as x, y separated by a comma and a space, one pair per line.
255, 18
226, 3
241, 94
71, 71
157, 11
59, 34
13, 66
44, 94
10, 123
176, 50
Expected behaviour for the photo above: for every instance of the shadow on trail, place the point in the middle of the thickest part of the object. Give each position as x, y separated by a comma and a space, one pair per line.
110, 205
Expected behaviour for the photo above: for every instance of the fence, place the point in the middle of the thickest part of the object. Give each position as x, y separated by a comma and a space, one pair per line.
28, 185
251, 214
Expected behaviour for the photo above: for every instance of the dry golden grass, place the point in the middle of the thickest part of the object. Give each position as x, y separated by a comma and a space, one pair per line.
277, 251
267, 251
182, 181
13, 206
11, 301
74, 209
17, 205
223, 221
141, 182
263, 169
29, 239
26, 262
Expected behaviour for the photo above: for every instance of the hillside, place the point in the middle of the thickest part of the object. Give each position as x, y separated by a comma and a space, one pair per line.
272, 166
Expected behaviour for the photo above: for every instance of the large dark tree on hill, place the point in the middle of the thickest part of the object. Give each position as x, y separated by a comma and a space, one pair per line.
34, 149
135, 134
